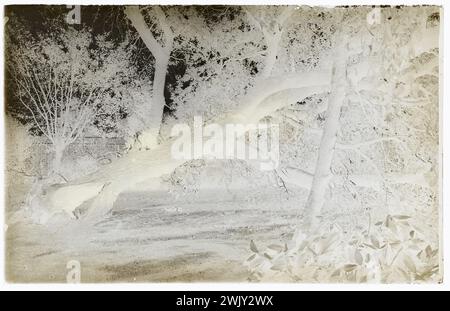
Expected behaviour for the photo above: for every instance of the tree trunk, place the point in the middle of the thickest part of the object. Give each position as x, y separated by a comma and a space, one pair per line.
58, 153
149, 138
124, 173
322, 174
256, 104
273, 43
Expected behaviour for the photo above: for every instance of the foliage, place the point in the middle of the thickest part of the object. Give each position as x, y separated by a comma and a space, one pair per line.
396, 250
67, 80
230, 58
384, 163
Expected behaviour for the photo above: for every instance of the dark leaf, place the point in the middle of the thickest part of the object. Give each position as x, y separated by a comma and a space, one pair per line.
253, 247
349, 267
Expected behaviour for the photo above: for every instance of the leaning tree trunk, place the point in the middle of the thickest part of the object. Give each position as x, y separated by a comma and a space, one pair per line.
134, 168
323, 174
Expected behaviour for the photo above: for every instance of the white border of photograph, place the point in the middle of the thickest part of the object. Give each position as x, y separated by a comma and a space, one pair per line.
444, 147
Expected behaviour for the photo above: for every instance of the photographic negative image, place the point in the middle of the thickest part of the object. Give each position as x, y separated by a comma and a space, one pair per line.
215, 143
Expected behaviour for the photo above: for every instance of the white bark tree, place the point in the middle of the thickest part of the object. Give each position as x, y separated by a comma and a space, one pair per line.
62, 87
135, 168
362, 82
322, 174
378, 159
161, 49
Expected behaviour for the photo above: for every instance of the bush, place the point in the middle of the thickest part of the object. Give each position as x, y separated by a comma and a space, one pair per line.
397, 250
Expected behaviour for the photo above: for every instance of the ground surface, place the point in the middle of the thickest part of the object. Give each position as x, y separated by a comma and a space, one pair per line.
148, 239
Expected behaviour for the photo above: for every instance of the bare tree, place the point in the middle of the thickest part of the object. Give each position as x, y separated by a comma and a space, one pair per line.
63, 87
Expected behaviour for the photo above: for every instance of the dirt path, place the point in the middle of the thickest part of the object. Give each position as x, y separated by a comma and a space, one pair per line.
147, 240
